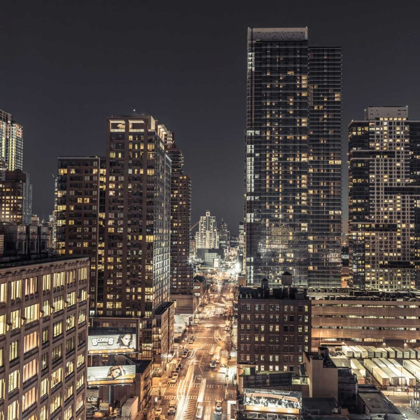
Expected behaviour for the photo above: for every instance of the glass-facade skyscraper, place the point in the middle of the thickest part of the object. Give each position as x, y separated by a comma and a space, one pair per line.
292, 158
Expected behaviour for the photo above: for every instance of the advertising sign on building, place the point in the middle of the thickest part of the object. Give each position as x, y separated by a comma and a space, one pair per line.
272, 401
112, 343
111, 375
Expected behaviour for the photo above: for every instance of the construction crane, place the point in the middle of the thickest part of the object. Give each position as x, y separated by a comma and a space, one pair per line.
191, 228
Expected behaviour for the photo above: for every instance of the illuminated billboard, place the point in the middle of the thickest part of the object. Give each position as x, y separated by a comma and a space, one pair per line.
112, 343
111, 375
272, 401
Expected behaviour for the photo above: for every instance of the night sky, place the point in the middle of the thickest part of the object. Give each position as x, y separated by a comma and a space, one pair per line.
66, 66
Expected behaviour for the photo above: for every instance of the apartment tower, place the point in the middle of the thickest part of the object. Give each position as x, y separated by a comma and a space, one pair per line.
384, 200
181, 272
80, 217
137, 234
292, 159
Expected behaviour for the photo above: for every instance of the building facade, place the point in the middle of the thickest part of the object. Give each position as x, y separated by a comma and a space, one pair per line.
15, 197
292, 158
43, 335
80, 216
137, 220
365, 318
274, 328
384, 200
224, 235
11, 142
207, 236
181, 271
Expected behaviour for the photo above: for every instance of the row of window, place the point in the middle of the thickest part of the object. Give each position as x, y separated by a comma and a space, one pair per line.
274, 308
29, 286
33, 313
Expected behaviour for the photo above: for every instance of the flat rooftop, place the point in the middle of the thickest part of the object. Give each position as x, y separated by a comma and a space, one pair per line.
376, 402
319, 405
35, 261
285, 292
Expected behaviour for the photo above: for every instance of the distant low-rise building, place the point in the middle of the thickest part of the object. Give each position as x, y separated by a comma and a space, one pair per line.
357, 317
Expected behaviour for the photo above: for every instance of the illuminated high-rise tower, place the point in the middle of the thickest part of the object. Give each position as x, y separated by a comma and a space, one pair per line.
11, 142
384, 200
293, 158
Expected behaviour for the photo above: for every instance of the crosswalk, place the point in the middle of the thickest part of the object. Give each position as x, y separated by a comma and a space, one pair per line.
189, 412
197, 385
173, 397
190, 397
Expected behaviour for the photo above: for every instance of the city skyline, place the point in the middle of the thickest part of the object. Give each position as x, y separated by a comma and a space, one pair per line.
68, 87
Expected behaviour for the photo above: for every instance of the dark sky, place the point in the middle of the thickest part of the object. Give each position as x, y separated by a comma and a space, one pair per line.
67, 65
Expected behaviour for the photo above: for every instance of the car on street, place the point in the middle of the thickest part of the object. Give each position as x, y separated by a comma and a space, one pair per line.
158, 411
171, 411
185, 354
218, 411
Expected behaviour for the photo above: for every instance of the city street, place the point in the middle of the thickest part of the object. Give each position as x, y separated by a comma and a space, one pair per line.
198, 384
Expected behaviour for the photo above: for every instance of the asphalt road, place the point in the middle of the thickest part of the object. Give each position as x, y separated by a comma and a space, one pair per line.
209, 333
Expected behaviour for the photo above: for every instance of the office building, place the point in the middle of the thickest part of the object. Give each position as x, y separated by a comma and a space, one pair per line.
80, 217
15, 197
181, 271
371, 318
384, 200
43, 335
274, 327
293, 159
137, 234
11, 142
207, 236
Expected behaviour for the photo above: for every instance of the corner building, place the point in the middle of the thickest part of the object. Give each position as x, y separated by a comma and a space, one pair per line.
137, 235
293, 159
274, 327
384, 200
43, 335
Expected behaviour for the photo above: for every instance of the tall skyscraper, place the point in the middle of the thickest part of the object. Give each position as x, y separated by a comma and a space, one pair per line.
181, 272
137, 235
80, 217
384, 199
293, 159
207, 236
117, 210
11, 141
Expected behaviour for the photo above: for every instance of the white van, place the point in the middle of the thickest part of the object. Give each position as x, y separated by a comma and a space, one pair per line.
199, 413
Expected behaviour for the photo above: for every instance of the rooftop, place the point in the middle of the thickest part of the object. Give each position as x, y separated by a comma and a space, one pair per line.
319, 405
36, 261
286, 293
375, 401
